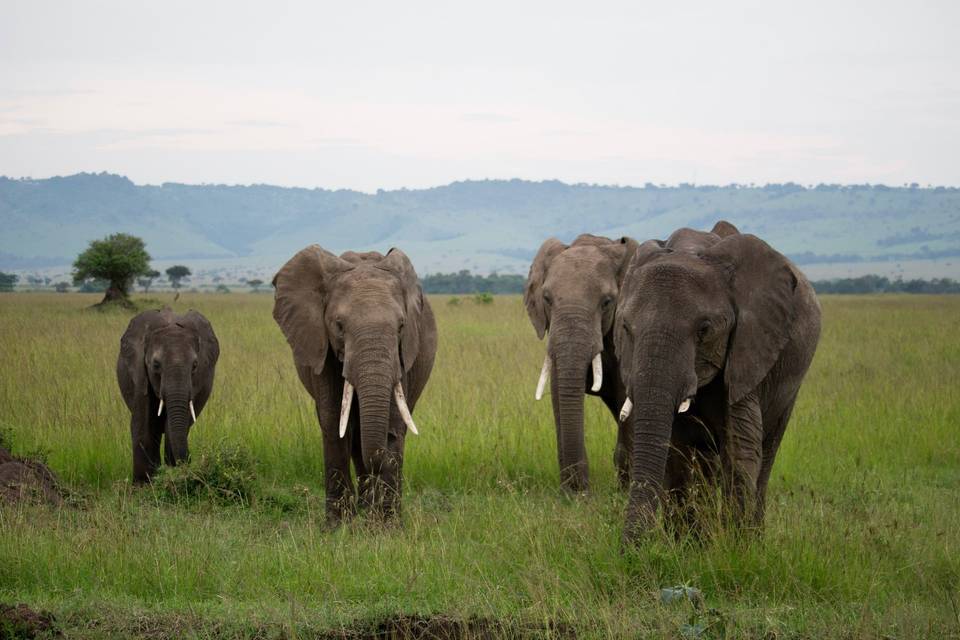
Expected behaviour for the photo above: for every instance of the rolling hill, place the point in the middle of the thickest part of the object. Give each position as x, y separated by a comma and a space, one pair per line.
483, 226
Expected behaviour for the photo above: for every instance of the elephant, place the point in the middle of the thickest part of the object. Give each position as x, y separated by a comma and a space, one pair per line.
358, 324
571, 293
165, 371
716, 332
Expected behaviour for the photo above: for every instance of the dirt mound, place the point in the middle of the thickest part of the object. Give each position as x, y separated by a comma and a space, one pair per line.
444, 628
27, 481
21, 621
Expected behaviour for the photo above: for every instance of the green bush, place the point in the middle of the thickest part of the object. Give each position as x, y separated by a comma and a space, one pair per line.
224, 475
454, 301
483, 298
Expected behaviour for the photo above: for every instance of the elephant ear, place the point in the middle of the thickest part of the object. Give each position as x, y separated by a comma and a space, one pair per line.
762, 286
397, 262
301, 289
131, 367
724, 229
621, 252
209, 351
532, 291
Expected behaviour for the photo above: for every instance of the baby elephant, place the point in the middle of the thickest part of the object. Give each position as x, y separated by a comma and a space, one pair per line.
165, 371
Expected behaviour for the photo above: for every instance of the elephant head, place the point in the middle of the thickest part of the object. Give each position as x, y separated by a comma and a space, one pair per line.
571, 293
361, 311
689, 316
166, 369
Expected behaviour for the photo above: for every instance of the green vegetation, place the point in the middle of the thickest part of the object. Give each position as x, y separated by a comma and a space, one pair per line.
880, 284
861, 538
116, 259
8, 281
466, 282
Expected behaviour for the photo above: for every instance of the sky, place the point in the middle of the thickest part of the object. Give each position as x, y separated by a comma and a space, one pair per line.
367, 95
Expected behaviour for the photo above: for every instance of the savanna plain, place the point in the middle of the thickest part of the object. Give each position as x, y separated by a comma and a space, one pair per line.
862, 535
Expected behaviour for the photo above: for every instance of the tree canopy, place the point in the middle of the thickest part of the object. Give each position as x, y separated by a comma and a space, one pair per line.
118, 259
176, 273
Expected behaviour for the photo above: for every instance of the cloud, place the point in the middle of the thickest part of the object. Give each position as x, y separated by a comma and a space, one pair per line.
488, 118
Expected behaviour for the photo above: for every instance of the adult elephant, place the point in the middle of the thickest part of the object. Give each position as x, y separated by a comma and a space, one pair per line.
571, 293
165, 371
715, 335
358, 324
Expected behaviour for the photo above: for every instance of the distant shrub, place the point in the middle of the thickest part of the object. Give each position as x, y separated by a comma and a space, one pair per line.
483, 298
222, 288
224, 475
454, 301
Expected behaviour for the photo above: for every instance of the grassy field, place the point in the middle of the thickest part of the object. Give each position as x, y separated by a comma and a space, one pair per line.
863, 524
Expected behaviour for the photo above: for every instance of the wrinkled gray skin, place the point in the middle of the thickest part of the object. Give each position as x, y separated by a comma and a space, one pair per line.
173, 357
360, 317
571, 294
730, 323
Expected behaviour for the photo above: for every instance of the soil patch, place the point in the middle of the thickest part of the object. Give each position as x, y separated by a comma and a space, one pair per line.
20, 621
444, 628
29, 481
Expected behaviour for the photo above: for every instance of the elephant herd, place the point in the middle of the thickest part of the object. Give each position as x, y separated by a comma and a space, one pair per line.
697, 345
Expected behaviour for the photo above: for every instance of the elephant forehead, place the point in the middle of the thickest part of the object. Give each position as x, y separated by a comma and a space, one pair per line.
586, 259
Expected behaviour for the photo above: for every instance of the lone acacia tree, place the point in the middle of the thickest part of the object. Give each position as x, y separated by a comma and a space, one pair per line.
176, 273
148, 279
254, 284
118, 259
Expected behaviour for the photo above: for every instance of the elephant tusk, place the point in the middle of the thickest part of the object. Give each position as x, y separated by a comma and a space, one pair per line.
160, 410
597, 373
625, 411
404, 411
345, 407
544, 377
193, 413
684, 406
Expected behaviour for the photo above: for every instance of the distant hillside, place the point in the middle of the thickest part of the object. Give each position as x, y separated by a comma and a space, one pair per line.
483, 226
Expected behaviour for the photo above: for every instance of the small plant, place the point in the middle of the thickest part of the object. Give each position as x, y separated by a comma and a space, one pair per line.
222, 288
454, 301
224, 475
483, 298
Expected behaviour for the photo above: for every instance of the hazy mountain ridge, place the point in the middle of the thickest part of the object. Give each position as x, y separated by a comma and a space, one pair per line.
479, 225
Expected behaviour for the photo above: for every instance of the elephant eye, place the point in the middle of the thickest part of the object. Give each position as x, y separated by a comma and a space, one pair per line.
547, 298
195, 363
339, 323
703, 330
607, 301
156, 365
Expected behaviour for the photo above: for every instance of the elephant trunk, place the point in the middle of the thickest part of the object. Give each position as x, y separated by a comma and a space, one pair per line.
376, 373
177, 396
657, 384
574, 342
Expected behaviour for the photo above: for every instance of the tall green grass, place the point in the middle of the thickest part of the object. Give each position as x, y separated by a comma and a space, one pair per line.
863, 510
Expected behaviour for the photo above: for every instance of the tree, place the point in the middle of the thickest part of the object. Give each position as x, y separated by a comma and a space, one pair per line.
8, 281
176, 273
62, 287
222, 288
148, 279
118, 259
255, 284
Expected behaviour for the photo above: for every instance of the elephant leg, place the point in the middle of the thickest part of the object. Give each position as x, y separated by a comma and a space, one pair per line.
744, 454
771, 443
146, 449
336, 464
623, 450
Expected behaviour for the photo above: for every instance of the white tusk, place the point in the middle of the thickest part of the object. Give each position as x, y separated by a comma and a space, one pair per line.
625, 411
684, 406
597, 373
160, 410
544, 377
404, 411
345, 407
192, 412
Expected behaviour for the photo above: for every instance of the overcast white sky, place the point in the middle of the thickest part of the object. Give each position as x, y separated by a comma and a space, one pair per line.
369, 95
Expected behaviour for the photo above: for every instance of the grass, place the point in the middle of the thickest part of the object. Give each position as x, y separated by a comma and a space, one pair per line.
863, 510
